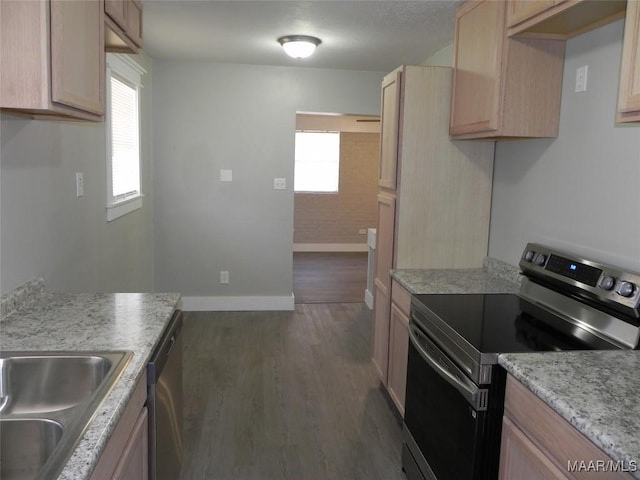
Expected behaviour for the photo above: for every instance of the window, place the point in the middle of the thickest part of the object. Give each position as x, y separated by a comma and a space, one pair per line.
123, 136
317, 162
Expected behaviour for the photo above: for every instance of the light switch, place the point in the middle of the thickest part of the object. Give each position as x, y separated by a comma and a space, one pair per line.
79, 184
279, 183
226, 175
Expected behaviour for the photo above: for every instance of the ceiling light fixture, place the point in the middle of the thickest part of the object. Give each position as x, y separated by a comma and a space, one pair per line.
299, 46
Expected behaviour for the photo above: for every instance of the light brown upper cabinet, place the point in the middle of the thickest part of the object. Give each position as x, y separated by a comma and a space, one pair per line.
520, 10
629, 94
124, 25
560, 19
502, 87
389, 129
52, 58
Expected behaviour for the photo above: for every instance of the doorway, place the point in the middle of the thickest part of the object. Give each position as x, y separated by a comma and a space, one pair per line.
330, 226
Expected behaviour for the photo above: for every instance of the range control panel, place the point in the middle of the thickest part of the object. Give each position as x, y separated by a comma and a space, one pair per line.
604, 282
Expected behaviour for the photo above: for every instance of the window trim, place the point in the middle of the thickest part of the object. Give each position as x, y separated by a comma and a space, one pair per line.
124, 67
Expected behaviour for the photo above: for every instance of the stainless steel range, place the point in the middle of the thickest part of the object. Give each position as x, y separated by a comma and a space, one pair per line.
455, 389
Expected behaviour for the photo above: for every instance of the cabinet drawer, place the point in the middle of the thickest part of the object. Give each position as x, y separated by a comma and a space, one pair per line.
401, 297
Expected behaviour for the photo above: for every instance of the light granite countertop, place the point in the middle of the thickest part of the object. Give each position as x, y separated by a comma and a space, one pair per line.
595, 391
436, 281
92, 322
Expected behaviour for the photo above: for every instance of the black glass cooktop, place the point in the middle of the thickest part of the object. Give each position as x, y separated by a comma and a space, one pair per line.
503, 323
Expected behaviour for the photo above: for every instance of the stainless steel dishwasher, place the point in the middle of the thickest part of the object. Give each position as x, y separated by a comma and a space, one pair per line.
164, 401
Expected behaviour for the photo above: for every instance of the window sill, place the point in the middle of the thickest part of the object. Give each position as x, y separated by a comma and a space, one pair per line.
122, 208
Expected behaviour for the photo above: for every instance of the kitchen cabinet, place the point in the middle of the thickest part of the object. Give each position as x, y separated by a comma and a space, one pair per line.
539, 443
123, 25
522, 459
560, 19
502, 87
520, 10
382, 282
435, 214
52, 57
126, 455
629, 93
398, 344
389, 129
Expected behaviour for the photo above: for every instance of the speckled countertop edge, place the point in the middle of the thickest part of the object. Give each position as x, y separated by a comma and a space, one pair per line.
93, 322
595, 391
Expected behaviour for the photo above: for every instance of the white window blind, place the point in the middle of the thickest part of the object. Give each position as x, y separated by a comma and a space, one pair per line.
124, 81
125, 148
317, 162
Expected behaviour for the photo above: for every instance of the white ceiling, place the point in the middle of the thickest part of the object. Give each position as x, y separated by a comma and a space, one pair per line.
356, 35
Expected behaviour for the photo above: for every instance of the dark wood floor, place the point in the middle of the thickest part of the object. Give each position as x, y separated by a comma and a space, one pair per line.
329, 277
286, 395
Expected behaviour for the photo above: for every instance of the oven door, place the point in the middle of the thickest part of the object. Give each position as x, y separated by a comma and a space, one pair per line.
446, 417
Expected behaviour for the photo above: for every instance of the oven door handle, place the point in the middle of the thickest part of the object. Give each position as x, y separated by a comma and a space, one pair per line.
476, 397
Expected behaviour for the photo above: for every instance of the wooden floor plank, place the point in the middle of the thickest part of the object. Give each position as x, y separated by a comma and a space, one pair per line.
286, 395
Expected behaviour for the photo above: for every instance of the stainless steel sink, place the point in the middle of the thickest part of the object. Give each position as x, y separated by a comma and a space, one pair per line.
26, 445
47, 399
32, 384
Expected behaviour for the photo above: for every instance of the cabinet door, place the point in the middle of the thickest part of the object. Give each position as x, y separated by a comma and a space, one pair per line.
629, 94
389, 130
117, 11
77, 55
520, 10
380, 333
382, 294
134, 462
385, 235
476, 100
398, 352
521, 458
134, 21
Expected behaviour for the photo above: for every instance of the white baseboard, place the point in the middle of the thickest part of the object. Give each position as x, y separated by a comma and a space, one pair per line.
368, 299
330, 247
237, 304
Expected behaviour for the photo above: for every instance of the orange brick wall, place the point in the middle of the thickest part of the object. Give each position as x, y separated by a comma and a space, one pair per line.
337, 218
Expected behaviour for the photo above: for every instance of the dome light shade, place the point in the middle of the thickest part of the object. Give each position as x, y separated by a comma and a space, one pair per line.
299, 46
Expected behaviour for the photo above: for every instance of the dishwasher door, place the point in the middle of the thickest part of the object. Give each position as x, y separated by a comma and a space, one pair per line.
164, 376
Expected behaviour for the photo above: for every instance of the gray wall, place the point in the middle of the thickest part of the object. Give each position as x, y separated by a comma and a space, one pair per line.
46, 231
580, 191
209, 117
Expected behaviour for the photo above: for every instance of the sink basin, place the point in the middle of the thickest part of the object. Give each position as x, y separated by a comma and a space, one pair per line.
47, 400
26, 445
33, 384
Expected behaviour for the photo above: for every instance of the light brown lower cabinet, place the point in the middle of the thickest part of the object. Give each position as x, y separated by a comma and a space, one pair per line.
126, 456
398, 344
522, 459
539, 444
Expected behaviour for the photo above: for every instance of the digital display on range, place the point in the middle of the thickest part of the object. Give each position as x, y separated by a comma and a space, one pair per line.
574, 270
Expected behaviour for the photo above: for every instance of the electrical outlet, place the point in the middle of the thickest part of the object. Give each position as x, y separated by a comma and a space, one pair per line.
79, 184
224, 277
279, 183
226, 175
581, 78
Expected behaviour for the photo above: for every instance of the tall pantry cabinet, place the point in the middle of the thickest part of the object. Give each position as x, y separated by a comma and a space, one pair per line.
434, 198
